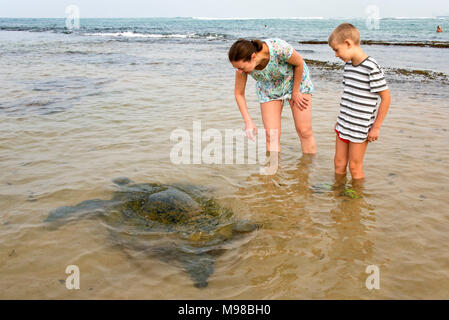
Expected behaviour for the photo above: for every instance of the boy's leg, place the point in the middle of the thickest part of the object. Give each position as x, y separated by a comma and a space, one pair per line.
271, 118
341, 157
303, 124
356, 155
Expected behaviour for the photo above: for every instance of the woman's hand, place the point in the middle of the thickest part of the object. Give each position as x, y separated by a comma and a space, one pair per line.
250, 129
299, 100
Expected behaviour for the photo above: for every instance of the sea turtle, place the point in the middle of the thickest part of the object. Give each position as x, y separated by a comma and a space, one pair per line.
177, 223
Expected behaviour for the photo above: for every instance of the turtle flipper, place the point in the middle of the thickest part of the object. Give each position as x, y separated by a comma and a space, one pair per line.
95, 207
199, 268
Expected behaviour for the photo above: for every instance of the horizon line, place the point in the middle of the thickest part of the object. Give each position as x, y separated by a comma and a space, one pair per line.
233, 18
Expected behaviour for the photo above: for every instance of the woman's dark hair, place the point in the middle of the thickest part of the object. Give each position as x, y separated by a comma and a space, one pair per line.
243, 49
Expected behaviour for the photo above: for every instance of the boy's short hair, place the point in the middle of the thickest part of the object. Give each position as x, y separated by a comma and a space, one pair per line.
343, 32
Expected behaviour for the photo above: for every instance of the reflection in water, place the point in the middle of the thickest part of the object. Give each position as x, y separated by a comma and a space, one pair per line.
52, 95
289, 186
351, 248
336, 241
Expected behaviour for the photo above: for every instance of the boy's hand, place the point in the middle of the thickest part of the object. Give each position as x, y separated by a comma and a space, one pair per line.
373, 134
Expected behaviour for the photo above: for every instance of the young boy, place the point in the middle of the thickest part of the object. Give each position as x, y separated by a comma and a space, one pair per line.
364, 83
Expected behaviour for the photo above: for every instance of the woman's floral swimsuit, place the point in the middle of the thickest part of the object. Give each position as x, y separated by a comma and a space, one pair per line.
275, 81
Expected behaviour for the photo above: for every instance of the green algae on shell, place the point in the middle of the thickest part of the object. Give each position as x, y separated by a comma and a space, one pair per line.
351, 193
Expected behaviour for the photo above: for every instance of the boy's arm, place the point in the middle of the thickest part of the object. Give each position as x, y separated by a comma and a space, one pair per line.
385, 97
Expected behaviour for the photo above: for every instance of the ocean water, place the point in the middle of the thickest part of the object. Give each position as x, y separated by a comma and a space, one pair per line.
81, 108
419, 32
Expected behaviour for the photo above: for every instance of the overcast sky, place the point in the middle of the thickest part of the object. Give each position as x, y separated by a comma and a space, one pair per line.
222, 8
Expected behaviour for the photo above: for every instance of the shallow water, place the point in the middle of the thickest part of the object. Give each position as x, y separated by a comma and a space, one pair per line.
77, 113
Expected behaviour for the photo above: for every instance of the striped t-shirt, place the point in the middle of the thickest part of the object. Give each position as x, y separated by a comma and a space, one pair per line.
359, 101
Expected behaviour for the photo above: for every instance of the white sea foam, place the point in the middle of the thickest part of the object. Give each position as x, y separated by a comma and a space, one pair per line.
129, 34
412, 18
269, 18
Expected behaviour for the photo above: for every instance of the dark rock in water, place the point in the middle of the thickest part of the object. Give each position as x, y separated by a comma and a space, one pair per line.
179, 224
322, 187
121, 181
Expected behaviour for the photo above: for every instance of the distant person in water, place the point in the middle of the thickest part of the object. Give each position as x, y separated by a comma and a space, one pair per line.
360, 115
281, 75
439, 29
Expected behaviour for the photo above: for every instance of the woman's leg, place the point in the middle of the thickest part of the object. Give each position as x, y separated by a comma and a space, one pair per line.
356, 155
271, 117
303, 124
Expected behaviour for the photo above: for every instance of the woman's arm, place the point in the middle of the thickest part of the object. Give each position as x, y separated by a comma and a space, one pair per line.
239, 93
298, 63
